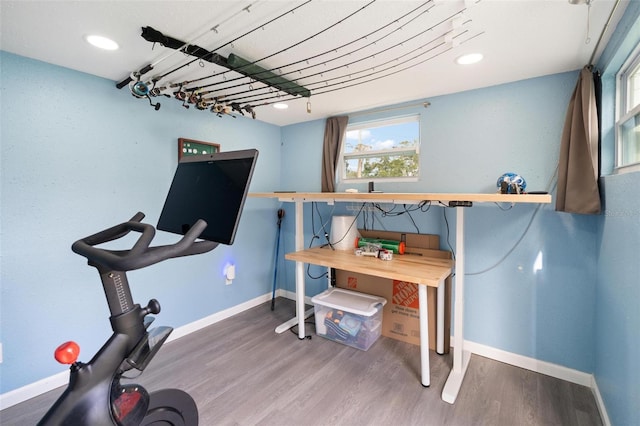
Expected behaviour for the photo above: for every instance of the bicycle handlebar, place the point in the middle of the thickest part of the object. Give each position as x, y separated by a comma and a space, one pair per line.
141, 254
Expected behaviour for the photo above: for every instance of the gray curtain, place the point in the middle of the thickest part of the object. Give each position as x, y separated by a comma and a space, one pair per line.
334, 132
579, 155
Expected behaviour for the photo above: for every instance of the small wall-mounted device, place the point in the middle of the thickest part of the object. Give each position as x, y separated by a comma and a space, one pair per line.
229, 273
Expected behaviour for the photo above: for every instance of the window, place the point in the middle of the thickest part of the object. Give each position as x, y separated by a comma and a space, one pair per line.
385, 149
628, 117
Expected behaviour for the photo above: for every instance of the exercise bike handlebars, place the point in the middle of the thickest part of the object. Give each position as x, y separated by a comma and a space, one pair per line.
95, 396
141, 254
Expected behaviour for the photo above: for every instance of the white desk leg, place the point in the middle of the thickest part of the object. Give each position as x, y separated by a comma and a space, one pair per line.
301, 315
440, 320
460, 356
425, 371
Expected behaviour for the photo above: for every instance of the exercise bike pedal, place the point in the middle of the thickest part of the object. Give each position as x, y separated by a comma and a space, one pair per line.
148, 346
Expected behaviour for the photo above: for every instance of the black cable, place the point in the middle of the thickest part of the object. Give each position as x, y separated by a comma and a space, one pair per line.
235, 99
369, 215
326, 234
314, 207
295, 44
346, 75
394, 60
504, 209
281, 98
313, 238
341, 85
394, 213
372, 43
411, 217
211, 52
370, 56
294, 330
313, 224
406, 210
335, 49
444, 214
550, 187
422, 204
355, 220
511, 250
365, 218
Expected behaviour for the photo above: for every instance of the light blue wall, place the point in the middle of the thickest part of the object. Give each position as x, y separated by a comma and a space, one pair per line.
617, 330
468, 140
77, 156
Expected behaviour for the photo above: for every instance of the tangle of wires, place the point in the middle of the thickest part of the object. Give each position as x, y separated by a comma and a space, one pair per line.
322, 232
316, 234
368, 210
397, 210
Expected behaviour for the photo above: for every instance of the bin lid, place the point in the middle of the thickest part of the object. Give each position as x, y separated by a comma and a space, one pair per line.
352, 301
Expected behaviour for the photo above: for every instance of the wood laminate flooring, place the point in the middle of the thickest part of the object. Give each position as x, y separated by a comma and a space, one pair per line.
240, 372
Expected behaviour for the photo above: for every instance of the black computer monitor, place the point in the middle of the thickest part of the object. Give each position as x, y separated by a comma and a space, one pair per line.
212, 187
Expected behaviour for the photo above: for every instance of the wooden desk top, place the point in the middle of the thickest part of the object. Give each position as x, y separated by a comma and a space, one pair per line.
411, 268
404, 197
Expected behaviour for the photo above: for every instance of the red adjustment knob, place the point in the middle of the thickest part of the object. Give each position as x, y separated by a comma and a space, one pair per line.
67, 353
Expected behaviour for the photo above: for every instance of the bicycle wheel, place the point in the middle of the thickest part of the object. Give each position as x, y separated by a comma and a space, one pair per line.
171, 407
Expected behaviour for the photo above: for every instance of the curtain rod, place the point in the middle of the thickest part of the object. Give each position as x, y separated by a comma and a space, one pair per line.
425, 104
604, 30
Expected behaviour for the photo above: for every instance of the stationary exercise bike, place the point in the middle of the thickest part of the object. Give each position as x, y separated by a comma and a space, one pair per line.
95, 396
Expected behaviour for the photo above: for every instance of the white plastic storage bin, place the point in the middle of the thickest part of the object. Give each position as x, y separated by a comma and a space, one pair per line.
349, 317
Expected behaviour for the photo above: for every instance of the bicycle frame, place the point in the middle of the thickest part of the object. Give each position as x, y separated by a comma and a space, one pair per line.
94, 395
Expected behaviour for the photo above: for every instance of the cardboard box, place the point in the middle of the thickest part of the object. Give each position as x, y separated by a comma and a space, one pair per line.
401, 318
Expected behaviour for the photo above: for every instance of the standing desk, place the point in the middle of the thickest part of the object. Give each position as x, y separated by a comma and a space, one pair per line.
423, 270
426, 275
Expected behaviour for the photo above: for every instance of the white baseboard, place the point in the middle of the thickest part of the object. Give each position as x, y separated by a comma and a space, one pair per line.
292, 295
218, 316
34, 389
542, 367
41, 386
600, 402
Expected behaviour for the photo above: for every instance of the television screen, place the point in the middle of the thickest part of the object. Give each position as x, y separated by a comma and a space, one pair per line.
212, 187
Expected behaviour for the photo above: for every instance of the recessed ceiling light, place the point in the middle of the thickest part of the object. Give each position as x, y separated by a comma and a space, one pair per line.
280, 105
102, 42
469, 59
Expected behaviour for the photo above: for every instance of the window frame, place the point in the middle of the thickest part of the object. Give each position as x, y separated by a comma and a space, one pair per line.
623, 114
382, 122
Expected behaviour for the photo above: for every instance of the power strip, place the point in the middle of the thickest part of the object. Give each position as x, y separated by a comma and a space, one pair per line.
460, 204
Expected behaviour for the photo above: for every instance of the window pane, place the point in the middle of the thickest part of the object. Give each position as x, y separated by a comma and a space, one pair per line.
630, 146
379, 138
383, 166
634, 88
382, 149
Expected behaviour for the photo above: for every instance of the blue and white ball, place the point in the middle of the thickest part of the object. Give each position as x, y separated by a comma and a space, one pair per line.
515, 183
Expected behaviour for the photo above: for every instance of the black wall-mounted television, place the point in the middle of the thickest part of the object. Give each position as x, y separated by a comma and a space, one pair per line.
212, 187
